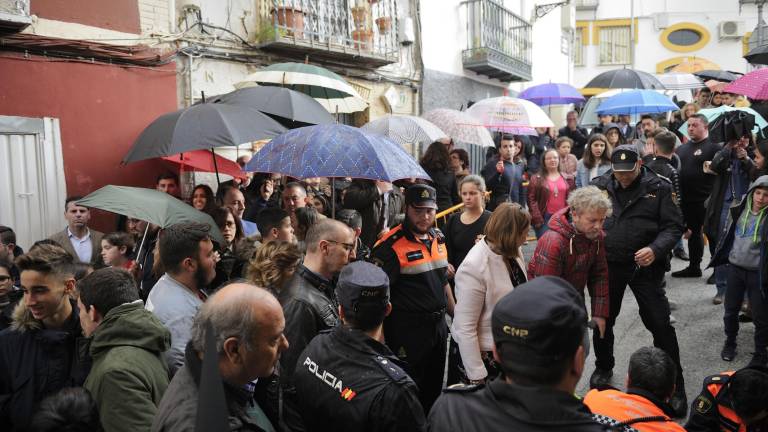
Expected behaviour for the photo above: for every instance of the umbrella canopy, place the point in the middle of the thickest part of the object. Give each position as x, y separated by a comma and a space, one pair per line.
694, 64
713, 113
718, 75
202, 126
680, 81
463, 128
149, 205
509, 114
715, 85
753, 85
335, 151
280, 102
202, 160
405, 130
758, 55
624, 78
637, 102
552, 94
328, 88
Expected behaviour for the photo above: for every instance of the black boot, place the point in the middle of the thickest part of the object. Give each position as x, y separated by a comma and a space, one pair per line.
600, 379
679, 402
688, 272
729, 351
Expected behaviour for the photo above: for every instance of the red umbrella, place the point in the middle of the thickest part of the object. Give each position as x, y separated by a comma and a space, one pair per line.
202, 160
753, 85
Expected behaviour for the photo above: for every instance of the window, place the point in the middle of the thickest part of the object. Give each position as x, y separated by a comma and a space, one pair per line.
684, 37
578, 48
614, 45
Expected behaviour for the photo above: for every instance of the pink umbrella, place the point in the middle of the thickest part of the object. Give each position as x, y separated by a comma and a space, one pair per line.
753, 85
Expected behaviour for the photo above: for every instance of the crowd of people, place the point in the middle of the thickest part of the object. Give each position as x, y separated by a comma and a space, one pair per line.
347, 305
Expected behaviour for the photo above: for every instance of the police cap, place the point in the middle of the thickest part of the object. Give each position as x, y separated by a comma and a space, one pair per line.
624, 158
362, 284
420, 195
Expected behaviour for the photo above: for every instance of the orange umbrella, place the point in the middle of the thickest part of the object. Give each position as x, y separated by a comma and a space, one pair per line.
202, 160
693, 64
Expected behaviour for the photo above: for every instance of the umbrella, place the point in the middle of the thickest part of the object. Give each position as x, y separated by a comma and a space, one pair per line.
328, 88
405, 130
679, 81
552, 94
279, 102
460, 126
694, 64
335, 151
508, 114
624, 78
202, 160
149, 205
718, 75
753, 85
637, 102
202, 126
713, 113
758, 55
715, 85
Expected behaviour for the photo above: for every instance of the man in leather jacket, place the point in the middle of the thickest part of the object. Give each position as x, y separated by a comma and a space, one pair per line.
309, 302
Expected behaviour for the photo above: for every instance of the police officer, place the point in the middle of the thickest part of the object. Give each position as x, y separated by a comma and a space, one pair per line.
415, 258
541, 340
346, 378
645, 225
732, 401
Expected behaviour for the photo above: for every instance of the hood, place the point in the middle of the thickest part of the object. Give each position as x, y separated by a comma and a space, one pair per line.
130, 325
609, 126
24, 321
560, 222
761, 181
541, 406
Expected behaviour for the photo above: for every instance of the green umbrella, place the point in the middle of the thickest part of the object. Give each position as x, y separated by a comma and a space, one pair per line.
712, 113
149, 205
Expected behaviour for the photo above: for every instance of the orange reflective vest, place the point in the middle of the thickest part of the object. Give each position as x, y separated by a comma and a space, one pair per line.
732, 422
626, 407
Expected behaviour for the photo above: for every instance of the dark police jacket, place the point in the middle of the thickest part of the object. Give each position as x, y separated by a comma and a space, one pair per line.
650, 216
347, 381
500, 406
712, 410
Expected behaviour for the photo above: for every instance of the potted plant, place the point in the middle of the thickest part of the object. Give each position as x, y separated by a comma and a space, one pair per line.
385, 24
291, 17
363, 39
361, 17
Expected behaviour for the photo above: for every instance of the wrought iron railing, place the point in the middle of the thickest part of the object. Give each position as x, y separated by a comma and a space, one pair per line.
361, 27
494, 31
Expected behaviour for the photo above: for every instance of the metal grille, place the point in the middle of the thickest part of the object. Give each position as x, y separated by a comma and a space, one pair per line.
490, 26
614, 45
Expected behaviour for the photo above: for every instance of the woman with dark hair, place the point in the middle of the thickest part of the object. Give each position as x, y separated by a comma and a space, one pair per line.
548, 191
761, 159
203, 199
567, 160
460, 164
322, 205
596, 160
230, 264
72, 409
437, 163
613, 135
9, 294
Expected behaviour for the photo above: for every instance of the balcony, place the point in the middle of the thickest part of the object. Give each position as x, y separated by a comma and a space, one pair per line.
498, 42
14, 16
354, 32
587, 5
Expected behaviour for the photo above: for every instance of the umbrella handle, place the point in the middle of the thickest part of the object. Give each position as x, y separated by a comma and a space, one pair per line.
215, 167
141, 245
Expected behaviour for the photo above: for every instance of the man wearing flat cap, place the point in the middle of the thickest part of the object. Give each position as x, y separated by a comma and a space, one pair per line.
541, 341
415, 258
347, 379
644, 226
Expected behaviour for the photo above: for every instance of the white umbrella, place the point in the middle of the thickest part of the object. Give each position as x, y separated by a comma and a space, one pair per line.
405, 130
509, 114
680, 81
460, 126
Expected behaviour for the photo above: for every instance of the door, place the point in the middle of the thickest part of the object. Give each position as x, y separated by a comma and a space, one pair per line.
32, 187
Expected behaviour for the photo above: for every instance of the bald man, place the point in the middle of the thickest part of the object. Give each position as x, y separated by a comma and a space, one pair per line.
248, 323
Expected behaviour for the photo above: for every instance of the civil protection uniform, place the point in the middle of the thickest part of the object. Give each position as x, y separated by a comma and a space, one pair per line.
416, 331
634, 410
644, 215
712, 410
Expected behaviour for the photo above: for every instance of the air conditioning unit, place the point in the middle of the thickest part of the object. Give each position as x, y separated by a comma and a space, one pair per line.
14, 16
730, 29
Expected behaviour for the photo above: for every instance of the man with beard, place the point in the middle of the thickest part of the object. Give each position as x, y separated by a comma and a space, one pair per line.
572, 248
415, 258
186, 252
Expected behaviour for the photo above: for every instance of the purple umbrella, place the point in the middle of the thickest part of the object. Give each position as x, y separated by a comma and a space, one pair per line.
552, 94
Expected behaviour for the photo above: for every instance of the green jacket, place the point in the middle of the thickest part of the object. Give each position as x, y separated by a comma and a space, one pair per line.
129, 375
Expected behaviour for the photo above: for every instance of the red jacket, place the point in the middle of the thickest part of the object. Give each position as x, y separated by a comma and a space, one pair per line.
563, 252
538, 195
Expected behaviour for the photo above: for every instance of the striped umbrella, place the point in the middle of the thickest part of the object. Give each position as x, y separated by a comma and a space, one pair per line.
405, 130
508, 114
463, 128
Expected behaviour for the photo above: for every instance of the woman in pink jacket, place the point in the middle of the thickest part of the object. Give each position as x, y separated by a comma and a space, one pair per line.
493, 267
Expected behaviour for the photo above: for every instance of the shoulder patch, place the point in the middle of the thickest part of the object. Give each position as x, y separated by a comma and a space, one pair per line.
717, 379
463, 388
390, 368
702, 404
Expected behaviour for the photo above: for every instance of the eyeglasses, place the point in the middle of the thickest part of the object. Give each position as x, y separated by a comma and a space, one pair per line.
4, 279
349, 247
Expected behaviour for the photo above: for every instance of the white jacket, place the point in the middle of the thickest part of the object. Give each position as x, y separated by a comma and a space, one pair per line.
481, 281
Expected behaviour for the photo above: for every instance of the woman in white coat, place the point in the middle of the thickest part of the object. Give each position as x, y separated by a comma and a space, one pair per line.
493, 267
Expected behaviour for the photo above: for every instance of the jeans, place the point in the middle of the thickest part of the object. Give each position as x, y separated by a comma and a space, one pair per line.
544, 227
740, 282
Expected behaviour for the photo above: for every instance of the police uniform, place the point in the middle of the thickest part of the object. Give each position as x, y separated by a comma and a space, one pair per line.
645, 214
537, 324
417, 268
712, 410
348, 381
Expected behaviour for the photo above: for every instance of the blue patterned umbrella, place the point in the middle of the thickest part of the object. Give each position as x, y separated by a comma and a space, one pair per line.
335, 151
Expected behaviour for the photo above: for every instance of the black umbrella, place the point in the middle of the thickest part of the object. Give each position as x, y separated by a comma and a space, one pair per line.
202, 126
717, 75
758, 55
280, 103
625, 78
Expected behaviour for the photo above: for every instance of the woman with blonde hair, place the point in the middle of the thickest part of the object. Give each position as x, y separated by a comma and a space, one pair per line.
493, 267
273, 265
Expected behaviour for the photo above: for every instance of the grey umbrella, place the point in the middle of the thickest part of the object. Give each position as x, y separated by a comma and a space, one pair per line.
758, 55
717, 75
625, 78
298, 108
202, 126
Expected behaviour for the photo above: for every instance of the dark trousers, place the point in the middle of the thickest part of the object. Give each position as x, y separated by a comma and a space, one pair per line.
694, 213
645, 284
421, 341
740, 282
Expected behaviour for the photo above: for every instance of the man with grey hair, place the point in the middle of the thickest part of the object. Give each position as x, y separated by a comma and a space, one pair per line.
248, 325
309, 302
572, 248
